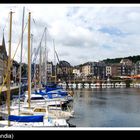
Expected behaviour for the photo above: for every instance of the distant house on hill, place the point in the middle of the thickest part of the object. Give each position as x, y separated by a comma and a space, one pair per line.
126, 67
126, 62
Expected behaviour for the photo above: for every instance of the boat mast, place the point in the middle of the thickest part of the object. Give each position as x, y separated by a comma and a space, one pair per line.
29, 61
31, 56
54, 62
46, 60
9, 68
21, 59
35, 72
40, 73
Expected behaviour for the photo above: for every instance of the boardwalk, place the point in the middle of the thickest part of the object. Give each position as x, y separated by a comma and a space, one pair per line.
4, 88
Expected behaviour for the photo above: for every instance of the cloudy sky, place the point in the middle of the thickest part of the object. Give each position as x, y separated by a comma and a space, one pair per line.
81, 33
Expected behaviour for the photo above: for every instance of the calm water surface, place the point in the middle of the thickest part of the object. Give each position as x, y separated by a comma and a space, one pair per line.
107, 107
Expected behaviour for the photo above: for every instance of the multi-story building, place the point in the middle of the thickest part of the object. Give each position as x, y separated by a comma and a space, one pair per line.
108, 71
37, 72
15, 71
3, 61
96, 70
126, 62
101, 70
136, 68
115, 70
126, 67
64, 71
49, 71
86, 68
76, 72
49, 68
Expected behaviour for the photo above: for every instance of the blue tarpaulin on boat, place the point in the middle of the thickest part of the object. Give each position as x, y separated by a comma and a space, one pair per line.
37, 118
62, 93
52, 86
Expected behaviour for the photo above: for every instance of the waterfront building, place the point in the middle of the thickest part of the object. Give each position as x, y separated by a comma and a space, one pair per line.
64, 71
126, 67
126, 62
108, 71
49, 69
101, 70
86, 69
136, 68
37, 73
15, 72
94, 70
76, 72
115, 70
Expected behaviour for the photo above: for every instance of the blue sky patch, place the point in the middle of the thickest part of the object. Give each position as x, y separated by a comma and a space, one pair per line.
111, 31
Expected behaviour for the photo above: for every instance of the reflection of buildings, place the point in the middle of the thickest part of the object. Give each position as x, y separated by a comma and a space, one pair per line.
3, 61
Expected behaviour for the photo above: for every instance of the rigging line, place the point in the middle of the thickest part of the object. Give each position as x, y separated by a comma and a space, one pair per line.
19, 43
15, 23
11, 62
61, 68
6, 22
37, 51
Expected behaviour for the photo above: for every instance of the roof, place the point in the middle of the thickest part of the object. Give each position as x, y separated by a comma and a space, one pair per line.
64, 64
3, 53
125, 61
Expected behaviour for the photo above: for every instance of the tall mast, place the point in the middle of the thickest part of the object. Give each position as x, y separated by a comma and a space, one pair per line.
54, 62
35, 72
46, 66
45, 58
21, 59
31, 47
9, 68
31, 56
40, 73
29, 61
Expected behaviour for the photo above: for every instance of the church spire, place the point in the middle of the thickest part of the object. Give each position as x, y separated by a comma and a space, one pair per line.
3, 40
3, 46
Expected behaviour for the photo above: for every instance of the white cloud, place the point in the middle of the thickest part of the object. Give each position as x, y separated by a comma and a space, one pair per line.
75, 29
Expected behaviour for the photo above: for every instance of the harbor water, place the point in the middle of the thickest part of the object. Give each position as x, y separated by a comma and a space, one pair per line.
108, 107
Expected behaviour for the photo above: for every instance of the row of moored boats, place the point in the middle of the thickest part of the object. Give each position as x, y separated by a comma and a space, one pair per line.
49, 107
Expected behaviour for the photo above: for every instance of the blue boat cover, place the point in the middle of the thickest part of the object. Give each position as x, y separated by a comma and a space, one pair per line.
52, 86
34, 118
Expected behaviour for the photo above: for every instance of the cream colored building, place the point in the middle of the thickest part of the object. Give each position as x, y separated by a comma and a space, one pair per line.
86, 69
108, 71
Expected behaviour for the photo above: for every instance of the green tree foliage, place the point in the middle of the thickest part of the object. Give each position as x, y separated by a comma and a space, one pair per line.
134, 59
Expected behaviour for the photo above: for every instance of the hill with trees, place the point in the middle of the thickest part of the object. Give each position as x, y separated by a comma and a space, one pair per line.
134, 59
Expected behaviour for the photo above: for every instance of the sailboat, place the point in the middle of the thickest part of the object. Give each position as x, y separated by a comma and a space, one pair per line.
40, 105
25, 120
